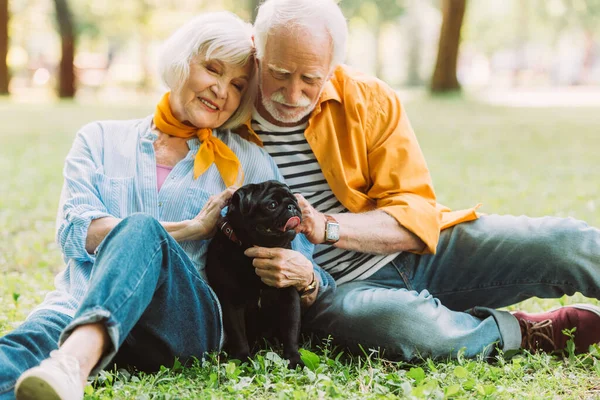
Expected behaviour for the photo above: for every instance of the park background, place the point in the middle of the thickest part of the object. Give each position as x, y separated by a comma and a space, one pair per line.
504, 97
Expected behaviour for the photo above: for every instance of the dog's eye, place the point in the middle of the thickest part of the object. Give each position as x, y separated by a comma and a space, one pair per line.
272, 205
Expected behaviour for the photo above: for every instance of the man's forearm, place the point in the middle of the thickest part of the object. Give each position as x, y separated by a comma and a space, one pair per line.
375, 232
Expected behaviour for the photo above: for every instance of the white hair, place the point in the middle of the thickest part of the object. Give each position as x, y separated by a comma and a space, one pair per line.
313, 15
219, 36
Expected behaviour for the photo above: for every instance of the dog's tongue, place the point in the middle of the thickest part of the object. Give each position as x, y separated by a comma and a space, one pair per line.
291, 223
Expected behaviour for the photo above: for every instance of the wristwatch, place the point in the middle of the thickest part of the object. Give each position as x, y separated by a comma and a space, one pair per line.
312, 286
332, 230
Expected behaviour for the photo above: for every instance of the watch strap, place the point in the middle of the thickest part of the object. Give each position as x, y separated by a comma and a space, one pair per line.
329, 223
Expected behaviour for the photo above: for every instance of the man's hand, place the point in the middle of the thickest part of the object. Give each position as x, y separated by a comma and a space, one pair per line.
281, 267
313, 222
374, 232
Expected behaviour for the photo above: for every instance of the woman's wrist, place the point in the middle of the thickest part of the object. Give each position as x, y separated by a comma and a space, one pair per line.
196, 230
188, 229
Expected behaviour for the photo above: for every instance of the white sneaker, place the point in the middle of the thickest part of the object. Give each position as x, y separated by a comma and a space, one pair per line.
56, 378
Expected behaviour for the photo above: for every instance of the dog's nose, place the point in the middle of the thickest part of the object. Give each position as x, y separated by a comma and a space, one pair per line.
291, 207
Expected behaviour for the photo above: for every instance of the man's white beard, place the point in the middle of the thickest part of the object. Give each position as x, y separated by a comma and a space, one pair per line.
282, 117
304, 106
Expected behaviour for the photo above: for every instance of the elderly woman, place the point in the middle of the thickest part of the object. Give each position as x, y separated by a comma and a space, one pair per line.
139, 202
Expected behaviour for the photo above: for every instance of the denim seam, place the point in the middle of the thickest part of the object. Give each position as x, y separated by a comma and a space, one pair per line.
515, 283
8, 387
400, 270
508, 327
143, 274
215, 302
199, 279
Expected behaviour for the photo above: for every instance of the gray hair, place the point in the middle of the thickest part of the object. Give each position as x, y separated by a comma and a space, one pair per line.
310, 14
220, 36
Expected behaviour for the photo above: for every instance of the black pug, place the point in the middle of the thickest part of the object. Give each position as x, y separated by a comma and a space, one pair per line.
263, 214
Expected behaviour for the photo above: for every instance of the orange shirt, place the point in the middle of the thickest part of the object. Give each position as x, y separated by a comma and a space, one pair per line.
370, 156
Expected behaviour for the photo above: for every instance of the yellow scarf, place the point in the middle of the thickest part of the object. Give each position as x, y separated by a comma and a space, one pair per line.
211, 150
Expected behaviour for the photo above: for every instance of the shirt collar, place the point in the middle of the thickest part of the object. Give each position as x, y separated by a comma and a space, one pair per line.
145, 128
149, 131
330, 93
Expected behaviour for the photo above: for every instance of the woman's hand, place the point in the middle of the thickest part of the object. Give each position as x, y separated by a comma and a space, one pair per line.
281, 267
203, 225
313, 222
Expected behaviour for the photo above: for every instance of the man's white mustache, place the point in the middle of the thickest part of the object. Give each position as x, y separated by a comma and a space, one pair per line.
278, 97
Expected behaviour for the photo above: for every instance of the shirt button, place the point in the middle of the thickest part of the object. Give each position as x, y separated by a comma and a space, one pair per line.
160, 204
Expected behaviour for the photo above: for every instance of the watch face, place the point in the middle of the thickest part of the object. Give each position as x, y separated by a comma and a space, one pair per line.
333, 231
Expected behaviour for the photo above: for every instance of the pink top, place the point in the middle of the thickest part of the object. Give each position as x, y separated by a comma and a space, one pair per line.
162, 171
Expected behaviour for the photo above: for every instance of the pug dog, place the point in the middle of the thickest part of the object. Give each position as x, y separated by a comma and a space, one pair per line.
265, 215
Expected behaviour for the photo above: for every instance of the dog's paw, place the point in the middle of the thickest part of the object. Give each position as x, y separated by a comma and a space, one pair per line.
295, 360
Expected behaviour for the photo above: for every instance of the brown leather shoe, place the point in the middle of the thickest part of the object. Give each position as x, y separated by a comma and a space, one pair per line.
543, 331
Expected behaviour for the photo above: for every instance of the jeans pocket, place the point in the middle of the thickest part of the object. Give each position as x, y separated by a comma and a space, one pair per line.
405, 265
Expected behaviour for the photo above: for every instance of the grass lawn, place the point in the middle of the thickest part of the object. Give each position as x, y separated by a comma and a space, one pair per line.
518, 161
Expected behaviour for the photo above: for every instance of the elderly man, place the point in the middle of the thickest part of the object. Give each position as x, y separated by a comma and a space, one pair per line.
414, 278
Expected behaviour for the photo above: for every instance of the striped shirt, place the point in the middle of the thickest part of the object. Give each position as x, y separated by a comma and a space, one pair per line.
111, 172
302, 172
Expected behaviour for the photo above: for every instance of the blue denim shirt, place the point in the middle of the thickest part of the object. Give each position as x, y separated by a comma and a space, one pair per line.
111, 171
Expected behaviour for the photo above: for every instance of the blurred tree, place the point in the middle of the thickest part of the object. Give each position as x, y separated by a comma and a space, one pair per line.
144, 24
4, 73
521, 40
444, 76
584, 14
413, 75
253, 7
66, 28
376, 13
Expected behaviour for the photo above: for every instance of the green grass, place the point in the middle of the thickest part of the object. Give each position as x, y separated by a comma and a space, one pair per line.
518, 161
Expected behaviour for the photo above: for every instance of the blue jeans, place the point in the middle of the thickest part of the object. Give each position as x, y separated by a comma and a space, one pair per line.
436, 305
148, 294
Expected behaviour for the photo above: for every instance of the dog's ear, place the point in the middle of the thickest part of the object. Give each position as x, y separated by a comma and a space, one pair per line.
234, 203
242, 201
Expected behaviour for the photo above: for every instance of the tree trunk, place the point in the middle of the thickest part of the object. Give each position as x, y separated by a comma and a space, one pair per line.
66, 74
588, 59
444, 77
4, 73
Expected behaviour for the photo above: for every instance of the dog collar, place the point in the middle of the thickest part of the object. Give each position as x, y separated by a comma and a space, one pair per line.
227, 229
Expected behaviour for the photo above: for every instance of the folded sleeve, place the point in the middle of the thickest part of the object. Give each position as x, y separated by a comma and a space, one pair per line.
80, 201
400, 181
